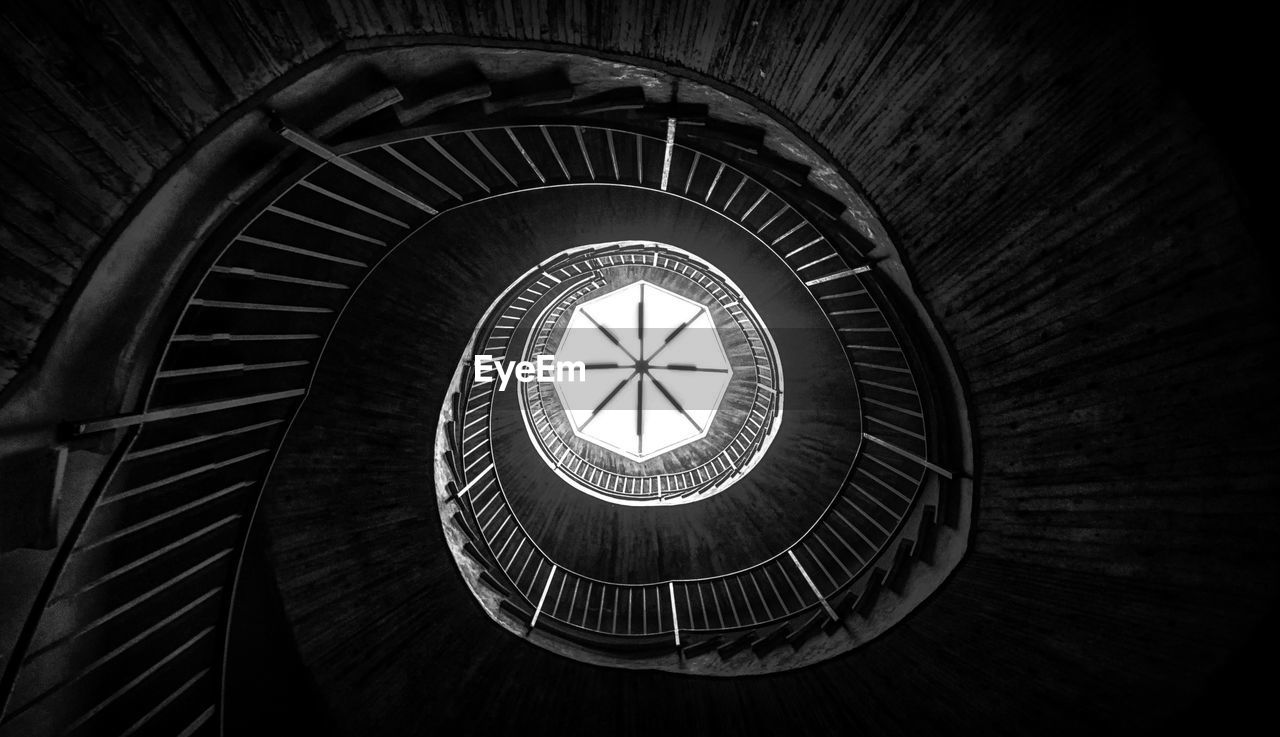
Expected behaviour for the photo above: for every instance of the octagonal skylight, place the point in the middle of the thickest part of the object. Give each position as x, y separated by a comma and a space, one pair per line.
656, 370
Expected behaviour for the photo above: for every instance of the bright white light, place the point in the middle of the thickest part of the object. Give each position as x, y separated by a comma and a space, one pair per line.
649, 392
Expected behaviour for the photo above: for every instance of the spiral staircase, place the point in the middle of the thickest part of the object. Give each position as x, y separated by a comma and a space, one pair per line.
135, 599
133, 626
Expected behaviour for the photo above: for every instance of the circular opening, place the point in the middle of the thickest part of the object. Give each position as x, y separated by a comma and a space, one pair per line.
656, 380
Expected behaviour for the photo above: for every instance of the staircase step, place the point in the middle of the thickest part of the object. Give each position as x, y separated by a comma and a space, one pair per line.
825, 204
488, 580
540, 89
791, 171
426, 103
615, 100
808, 629
742, 137
516, 610
450, 460
736, 645
473, 553
896, 578
875, 583
702, 646
687, 113
927, 535
459, 520
948, 503
771, 640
